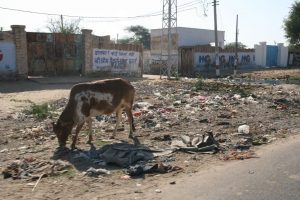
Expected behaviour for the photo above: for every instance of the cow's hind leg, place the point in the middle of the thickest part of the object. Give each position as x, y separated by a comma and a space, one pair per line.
130, 121
78, 128
90, 121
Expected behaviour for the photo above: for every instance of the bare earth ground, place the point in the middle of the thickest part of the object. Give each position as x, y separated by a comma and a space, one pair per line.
177, 108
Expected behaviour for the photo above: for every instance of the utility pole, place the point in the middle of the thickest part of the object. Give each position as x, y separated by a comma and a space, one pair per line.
62, 22
169, 23
236, 46
169, 40
216, 39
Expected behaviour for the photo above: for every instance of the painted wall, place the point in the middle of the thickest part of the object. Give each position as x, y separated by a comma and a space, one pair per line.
31, 53
116, 61
226, 59
7, 58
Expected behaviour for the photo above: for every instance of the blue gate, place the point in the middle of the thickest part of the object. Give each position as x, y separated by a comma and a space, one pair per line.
272, 52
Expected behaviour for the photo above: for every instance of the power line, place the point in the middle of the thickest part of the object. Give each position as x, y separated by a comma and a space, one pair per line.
74, 16
113, 18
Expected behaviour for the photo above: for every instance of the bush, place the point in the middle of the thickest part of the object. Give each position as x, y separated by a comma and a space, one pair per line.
200, 85
39, 111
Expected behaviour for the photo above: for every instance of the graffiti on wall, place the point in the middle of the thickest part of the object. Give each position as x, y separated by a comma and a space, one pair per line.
7, 57
115, 60
225, 59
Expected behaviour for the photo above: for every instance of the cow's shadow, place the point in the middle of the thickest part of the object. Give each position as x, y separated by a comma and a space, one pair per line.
115, 156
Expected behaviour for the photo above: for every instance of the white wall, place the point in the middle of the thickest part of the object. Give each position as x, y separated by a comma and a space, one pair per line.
193, 36
283, 52
261, 54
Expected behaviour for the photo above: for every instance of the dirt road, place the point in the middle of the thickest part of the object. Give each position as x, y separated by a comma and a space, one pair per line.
274, 175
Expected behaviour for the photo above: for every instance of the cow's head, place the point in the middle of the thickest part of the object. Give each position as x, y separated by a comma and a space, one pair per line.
62, 131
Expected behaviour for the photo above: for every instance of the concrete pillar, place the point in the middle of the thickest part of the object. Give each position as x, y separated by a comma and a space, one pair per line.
282, 59
264, 53
20, 40
87, 51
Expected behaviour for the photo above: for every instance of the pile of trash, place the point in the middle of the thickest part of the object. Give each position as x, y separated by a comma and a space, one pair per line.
204, 144
175, 116
31, 168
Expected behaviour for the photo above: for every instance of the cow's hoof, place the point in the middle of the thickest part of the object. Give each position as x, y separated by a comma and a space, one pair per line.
73, 147
136, 141
89, 142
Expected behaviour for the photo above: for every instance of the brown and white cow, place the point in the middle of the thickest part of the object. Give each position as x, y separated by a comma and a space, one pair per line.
91, 99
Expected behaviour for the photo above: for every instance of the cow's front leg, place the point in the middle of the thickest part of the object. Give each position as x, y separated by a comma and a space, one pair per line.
78, 128
119, 117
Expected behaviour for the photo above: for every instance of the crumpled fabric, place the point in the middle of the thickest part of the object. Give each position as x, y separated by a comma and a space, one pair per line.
124, 154
140, 169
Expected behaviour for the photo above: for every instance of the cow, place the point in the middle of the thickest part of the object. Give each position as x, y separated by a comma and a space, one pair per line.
91, 99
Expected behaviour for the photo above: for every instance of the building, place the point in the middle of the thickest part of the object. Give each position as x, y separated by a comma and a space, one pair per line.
184, 37
181, 37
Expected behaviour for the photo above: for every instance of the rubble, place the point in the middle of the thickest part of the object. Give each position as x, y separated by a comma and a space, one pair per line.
31, 167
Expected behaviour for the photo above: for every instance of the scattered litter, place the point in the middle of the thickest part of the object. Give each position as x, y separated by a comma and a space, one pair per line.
234, 155
124, 154
158, 191
204, 144
40, 177
4, 151
140, 169
125, 177
171, 110
29, 168
244, 129
96, 172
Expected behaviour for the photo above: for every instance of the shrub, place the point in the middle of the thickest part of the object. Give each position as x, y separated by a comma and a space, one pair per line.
40, 111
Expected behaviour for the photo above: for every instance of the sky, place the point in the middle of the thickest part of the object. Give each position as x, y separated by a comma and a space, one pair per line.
259, 20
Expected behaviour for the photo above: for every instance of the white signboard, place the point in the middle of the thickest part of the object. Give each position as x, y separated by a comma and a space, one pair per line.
7, 57
115, 60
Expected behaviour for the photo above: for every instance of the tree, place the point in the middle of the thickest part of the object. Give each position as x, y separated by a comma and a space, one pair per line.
64, 26
140, 35
231, 45
291, 25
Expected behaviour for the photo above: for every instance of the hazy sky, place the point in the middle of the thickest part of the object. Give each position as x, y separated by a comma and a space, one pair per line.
259, 20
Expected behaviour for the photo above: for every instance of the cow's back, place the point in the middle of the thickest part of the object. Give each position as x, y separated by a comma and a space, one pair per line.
101, 97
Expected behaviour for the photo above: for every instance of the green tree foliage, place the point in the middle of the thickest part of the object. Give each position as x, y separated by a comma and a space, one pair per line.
140, 35
231, 45
62, 25
291, 25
